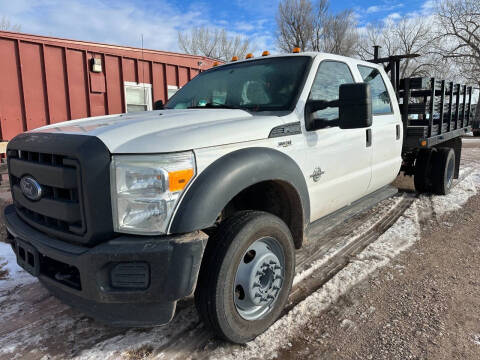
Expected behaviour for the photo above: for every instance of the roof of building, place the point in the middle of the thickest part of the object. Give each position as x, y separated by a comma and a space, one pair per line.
119, 50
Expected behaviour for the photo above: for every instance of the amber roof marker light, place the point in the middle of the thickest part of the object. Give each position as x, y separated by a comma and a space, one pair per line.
266, 53
235, 58
249, 56
296, 50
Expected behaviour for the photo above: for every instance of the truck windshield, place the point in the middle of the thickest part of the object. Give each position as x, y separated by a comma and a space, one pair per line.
259, 85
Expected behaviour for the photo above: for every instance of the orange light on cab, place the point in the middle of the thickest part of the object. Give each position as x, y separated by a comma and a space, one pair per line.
296, 50
235, 58
215, 63
179, 179
423, 143
249, 56
266, 53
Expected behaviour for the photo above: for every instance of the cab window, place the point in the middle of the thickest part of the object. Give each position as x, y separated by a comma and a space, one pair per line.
381, 103
326, 87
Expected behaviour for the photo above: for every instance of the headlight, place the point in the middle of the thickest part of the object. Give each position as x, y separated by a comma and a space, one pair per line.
146, 188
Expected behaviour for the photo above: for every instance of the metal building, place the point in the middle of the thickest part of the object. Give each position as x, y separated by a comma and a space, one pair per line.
47, 80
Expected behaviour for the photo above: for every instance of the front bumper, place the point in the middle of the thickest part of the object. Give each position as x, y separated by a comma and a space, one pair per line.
127, 281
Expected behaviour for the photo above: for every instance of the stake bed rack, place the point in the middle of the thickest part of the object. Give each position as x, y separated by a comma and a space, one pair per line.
433, 111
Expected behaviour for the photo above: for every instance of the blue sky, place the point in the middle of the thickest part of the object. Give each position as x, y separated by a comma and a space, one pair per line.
123, 21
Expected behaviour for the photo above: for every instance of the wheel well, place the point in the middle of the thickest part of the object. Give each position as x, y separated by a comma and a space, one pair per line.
276, 197
410, 158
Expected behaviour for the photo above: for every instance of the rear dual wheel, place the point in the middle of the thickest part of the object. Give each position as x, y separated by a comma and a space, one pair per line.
423, 168
246, 275
443, 170
434, 170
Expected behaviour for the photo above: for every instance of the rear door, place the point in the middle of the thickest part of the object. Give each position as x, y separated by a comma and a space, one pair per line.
338, 161
386, 130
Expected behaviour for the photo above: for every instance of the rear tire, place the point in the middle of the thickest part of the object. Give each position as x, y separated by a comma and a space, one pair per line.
443, 170
251, 254
423, 168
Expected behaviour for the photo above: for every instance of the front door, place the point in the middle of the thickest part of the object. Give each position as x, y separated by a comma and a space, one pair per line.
338, 161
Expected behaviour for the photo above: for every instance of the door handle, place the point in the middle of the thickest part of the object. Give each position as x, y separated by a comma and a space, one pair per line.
369, 137
398, 132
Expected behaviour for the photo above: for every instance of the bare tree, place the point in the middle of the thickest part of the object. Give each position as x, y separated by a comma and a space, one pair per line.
6, 25
321, 17
340, 34
214, 43
295, 21
459, 25
300, 23
405, 37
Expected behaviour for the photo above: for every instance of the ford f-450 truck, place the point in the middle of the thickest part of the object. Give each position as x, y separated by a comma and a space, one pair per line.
122, 216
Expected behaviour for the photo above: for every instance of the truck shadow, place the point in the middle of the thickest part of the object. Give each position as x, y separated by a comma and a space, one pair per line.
35, 324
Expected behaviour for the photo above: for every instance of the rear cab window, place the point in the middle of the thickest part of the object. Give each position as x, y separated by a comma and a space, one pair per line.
381, 102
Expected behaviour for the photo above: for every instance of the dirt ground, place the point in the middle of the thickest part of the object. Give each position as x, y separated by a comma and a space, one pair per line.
424, 305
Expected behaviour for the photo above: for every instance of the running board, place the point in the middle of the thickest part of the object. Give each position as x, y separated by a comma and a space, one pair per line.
322, 226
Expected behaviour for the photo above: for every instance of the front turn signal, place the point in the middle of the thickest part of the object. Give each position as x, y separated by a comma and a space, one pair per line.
179, 179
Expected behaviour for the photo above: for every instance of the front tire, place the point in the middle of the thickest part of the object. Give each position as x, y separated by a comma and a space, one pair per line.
246, 275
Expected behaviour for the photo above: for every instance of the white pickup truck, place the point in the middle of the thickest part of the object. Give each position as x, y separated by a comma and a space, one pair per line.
122, 216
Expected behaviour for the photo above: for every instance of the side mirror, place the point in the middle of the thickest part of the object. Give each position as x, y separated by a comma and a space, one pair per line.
316, 105
355, 106
158, 105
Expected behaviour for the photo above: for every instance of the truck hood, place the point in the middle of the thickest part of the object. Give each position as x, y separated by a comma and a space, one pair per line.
170, 130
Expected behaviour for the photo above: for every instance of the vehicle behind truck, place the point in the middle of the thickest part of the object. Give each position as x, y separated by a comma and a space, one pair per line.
123, 216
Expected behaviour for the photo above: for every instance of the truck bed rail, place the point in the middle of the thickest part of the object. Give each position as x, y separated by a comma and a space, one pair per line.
433, 111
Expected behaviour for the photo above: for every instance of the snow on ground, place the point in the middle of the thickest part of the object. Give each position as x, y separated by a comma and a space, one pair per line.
457, 198
11, 274
476, 339
133, 339
80, 331
369, 224
58, 323
402, 235
399, 237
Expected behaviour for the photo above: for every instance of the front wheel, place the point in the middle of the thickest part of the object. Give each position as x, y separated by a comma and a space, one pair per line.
246, 275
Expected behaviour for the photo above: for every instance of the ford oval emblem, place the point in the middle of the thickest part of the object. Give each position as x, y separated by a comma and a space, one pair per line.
31, 188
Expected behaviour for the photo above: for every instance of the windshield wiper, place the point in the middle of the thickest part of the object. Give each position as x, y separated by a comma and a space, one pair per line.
255, 107
214, 106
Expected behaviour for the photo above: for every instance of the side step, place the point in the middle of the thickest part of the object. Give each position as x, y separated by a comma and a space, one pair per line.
324, 225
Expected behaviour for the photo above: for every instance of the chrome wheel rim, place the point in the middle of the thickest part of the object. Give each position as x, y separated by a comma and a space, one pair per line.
259, 278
